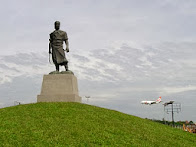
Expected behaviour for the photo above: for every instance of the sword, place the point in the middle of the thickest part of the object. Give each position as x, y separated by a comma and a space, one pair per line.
49, 59
49, 51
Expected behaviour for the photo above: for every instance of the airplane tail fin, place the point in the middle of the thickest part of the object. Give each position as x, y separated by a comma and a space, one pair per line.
158, 100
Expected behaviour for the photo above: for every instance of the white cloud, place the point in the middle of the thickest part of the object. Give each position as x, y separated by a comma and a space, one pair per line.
11, 69
124, 64
173, 90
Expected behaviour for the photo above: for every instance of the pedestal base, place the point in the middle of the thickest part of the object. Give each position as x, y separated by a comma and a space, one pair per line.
59, 88
58, 98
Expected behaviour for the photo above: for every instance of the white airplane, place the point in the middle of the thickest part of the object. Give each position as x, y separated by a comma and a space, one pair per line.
151, 102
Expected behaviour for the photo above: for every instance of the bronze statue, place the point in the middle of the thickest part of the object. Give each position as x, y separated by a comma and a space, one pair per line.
57, 38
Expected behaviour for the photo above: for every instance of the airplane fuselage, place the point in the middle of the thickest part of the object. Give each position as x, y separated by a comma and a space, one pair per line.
151, 102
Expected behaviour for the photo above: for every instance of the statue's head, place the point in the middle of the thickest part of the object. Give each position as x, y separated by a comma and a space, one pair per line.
57, 25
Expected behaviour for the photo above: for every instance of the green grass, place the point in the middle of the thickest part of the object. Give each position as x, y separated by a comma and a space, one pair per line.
75, 124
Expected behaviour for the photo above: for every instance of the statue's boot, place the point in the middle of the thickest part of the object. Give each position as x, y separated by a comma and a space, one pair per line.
66, 67
57, 67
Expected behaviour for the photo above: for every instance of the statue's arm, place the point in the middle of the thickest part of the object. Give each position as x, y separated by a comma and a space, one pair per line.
67, 45
66, 41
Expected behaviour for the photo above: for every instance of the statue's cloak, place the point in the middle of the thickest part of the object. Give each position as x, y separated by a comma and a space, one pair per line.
56, 40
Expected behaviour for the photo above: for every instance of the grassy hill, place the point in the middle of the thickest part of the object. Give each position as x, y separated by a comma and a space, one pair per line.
74, 124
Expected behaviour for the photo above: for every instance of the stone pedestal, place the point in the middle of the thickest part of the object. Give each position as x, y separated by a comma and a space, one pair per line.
59, 88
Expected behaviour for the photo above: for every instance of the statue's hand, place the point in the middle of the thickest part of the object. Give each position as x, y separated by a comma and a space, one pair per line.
67, 49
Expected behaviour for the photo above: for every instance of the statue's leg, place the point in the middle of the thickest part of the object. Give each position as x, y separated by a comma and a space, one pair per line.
66, 66
57, 67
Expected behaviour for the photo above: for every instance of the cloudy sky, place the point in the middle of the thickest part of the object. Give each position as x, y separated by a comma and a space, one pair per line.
122, 52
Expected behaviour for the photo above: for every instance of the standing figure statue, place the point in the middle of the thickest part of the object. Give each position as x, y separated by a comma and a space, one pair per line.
57, 38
